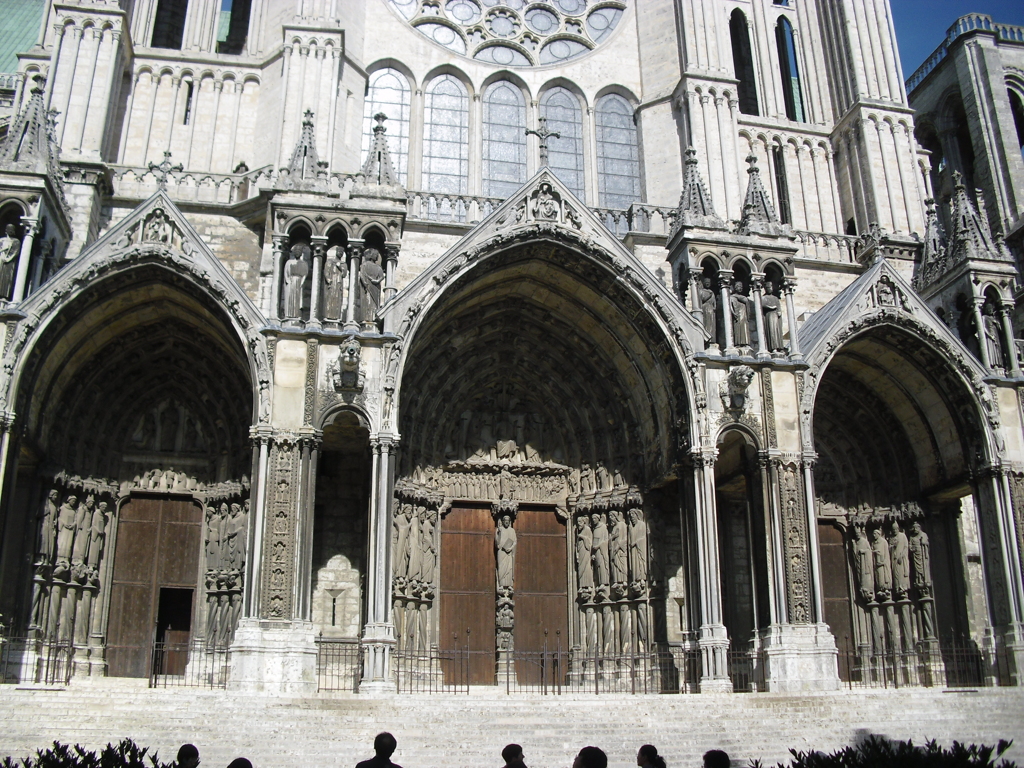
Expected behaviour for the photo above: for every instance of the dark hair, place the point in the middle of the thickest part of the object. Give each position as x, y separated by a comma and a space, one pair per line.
385, 744
592, 757
511, 752
240, 762
649, 753
716, 758
187, 752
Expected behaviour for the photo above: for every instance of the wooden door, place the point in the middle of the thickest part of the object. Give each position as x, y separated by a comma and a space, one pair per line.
467, 596
158, 545
542, 604
835, 588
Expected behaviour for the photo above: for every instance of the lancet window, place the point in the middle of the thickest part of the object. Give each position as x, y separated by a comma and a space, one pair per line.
446, 137
565, 154
789, 71
169, 25
504, 148
743, 63
618, 156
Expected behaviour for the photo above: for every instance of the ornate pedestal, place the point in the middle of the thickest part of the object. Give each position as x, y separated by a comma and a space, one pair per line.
800, 657
274, 656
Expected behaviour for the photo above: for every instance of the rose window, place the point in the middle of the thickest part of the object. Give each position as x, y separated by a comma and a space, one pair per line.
514, 33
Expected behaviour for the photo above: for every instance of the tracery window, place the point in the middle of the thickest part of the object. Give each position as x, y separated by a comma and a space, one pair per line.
169, 25
791, 91
618, 156
743, 63
1017, 110
781, 184
504, 167
565, 154
446, 137
387, 91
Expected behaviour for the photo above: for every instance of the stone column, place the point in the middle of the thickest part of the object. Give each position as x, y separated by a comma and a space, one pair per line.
1011, 345
390, 265
756, 288
280, 242
724, 281
316, 288
789, 287
979, 331
713, 639
355, 254
21, 276
379, 632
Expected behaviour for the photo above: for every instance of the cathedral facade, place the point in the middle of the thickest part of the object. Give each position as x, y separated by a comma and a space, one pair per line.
653, 338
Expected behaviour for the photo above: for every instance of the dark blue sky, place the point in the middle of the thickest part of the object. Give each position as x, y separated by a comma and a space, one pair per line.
921, 24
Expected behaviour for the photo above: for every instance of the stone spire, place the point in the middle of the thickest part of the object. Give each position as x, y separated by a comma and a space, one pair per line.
695, 207
378, 169
305, 165
759, 216
970, 237
30, 145
933, 255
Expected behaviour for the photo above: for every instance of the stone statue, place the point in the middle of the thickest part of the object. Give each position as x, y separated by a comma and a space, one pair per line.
83, 523
335, 273
371, 278
545, 204
233, 531
47, 526
584, 545
66, 527
400, 557
504, 621
599, 551
637, 546
213, 537
882, 564
740, 311
863, 564
10, 248
412, 543
428, 552
771, 306
617, 546
295, 271
920, 557
991, 336
899, 553
505, 542
97, 533
709, 307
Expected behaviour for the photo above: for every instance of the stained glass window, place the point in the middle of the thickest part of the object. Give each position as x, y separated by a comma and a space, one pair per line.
790, 72
565, 154
446, 137
504, 139
388, 92
618, 156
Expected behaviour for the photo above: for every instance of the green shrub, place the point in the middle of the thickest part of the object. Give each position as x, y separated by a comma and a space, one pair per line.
127, 754
877, 751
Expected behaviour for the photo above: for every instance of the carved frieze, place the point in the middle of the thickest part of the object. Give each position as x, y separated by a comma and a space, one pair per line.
279, 537
794, 525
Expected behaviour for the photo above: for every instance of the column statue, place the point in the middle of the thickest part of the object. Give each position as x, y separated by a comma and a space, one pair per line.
400, 556
412, 543
990, 337
83, 524
599, 551
920, 556
882, 565
863, 564
243, 535
428, 551
771, 306
335, 274
229, 545
97, 534
213, 538
47, 526
899, 553
709, 308
617, 546
371, 278
295, 271
10, 249
739, 309
637, 546
66, 526
505, 542
584, 566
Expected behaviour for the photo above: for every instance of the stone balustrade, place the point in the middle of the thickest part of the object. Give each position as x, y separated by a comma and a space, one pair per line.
963, 25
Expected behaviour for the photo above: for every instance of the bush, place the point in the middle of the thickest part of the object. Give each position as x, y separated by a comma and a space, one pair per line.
127, 754
877, 751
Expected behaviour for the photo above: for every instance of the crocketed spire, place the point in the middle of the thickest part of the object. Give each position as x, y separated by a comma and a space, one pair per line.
378, 169
969, 237
759, 216
30, 145
933, 256
695, 207
305, 164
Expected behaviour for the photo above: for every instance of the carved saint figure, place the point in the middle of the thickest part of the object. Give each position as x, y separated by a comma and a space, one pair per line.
335, 273
10, 248
400, 556
428, 553
584, 545
97, 533
863, 564
545, 206
371, 278
739, 309
991, 336
83, 523
295, 271
243, 536
66, 526
709, 307
617, 545
505, 541
232, 533
899, 553
47, 526
920, 556
771, 306
213, 537
637, 546
599, 552
883, 565
413, 544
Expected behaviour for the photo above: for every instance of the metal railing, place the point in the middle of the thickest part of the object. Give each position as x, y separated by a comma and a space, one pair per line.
189, 665
32, 660
931, 665
339, 664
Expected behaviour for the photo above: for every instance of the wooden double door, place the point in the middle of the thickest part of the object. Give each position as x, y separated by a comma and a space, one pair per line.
468, 594
154, 584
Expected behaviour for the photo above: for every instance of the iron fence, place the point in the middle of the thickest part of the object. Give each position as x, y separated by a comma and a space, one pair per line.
339, 664
34, 660
963, 664
189, 665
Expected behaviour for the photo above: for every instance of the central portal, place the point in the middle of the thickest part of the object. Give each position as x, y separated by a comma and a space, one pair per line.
474, 605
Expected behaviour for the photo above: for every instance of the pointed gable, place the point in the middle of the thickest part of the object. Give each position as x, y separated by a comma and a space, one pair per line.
695, 206
759, 217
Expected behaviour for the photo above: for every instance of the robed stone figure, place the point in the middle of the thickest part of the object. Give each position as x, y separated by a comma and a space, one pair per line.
335, 273
371, 278
740, 311
883, 565
637, 546
584, 545
295, 271
709, 309
617, 548
863, 564
990, 337
10, 248
599, 552
771, 306
899, 553
505, 542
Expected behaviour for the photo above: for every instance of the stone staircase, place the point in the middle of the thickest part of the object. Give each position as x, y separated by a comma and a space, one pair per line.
470, 730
